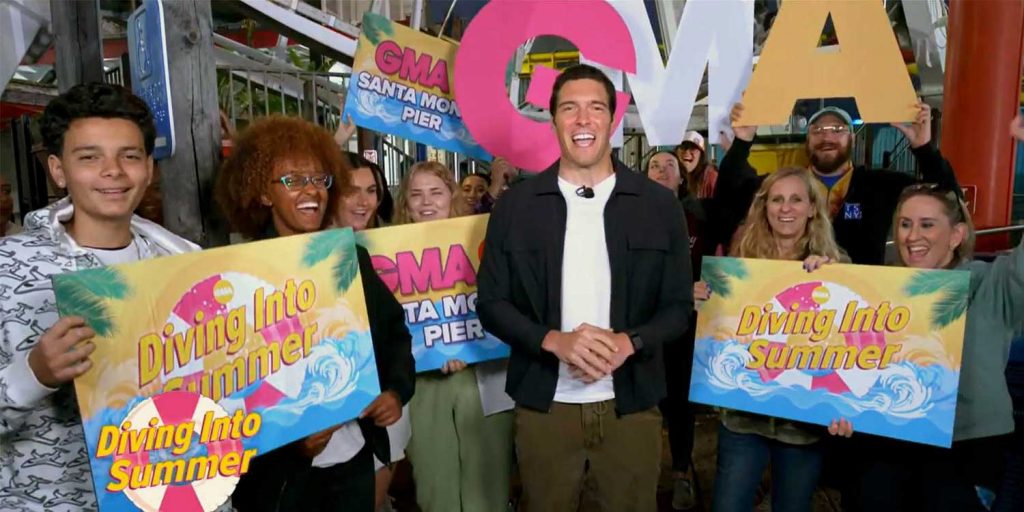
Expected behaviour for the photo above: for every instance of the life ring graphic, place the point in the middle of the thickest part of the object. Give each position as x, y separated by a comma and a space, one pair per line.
818, 295
175, 408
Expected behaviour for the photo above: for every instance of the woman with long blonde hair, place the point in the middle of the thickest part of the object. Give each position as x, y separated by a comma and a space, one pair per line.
423, 189
788, 220
775, 236
461, 455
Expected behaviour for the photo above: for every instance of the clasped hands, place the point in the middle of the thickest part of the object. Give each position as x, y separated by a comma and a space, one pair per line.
592, 353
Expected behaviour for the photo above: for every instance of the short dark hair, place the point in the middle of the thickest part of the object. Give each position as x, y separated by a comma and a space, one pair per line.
582, 72
94, 100
485, 177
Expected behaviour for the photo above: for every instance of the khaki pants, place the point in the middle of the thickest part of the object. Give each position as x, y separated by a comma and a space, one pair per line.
624, 455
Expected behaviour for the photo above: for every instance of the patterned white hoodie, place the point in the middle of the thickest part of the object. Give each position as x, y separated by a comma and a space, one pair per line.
44, 464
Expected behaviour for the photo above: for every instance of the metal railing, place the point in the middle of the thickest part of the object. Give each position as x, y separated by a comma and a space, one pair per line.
902, 159
247, 92
395, 159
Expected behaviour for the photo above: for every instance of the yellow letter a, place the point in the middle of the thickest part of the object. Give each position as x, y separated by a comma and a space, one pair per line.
868, 66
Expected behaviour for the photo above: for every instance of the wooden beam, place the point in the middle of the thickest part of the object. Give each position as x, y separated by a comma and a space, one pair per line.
28, 94
187, 177
76, 31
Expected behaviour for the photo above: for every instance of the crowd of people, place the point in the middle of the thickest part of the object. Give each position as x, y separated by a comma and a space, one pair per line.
590, 273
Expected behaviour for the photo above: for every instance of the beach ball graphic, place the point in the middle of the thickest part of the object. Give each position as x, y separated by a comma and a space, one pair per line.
219, 294
175, 408
816, 296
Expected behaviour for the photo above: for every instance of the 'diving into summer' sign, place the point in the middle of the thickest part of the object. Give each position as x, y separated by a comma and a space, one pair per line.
206, 360
882, 352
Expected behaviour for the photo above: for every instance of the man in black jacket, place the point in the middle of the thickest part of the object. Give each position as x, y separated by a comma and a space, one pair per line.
862, 201
585, 274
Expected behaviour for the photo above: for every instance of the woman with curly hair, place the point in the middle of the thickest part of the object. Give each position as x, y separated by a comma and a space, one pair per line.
788, 220
276, 183
461, 446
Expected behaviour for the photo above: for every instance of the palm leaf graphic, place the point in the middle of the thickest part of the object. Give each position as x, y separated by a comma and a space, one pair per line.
927, 282
339, 244
718, 273
952, 286
323, 244
950, 307
85, 293
363, 240
346, 268
375, 27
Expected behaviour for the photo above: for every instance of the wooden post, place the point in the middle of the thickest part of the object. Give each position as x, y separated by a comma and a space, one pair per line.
187, 177
77, 41
981, 97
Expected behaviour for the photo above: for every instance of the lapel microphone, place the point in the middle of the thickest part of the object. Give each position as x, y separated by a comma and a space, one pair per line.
585, 192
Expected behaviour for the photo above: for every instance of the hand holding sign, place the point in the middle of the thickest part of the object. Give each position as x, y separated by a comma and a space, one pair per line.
453, 366
814, 262
345, 131
919, 133
842, 427
313, 445
62, 353
385, 410
744, 133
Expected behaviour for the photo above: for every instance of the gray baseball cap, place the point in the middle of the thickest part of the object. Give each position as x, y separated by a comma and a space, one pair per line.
835, 111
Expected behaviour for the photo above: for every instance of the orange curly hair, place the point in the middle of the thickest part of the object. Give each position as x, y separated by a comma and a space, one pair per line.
245, 175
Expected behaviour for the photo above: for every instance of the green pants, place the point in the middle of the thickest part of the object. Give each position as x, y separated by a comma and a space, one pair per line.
461, 460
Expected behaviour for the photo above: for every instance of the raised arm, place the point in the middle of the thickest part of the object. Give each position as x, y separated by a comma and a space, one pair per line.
933, 166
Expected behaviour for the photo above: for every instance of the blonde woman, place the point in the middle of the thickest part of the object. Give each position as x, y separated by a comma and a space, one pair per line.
461, 456
932, 229
788, 220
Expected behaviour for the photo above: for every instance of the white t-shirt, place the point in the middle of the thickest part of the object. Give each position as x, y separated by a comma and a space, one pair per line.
118, 256
586, 282
344, 444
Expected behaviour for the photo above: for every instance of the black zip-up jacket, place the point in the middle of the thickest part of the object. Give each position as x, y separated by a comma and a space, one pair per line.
520, 282
261, 488
863, 222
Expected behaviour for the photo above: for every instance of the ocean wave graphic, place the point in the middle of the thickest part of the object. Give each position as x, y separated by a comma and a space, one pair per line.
899, 392
903, 390
372, 104
333, 372
389, 111
726, 368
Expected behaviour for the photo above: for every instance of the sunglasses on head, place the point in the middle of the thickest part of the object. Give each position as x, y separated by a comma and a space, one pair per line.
938, 191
